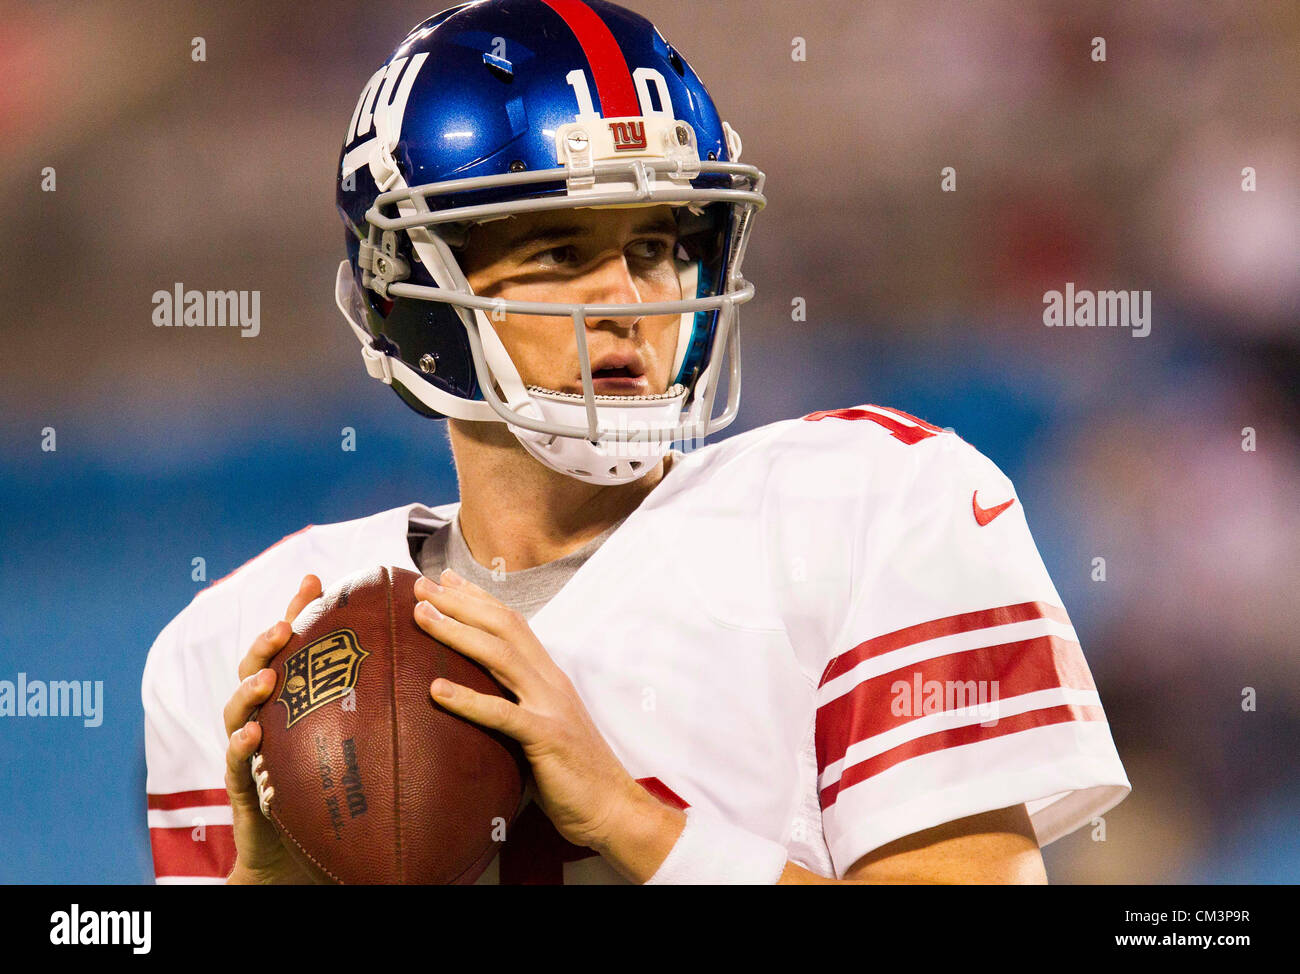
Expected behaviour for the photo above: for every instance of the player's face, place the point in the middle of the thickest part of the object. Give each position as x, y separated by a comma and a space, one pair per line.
617, 256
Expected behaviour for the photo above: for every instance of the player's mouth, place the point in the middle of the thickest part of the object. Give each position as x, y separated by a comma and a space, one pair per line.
618, 374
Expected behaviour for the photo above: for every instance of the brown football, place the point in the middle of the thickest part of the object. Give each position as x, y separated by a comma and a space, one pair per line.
367, 779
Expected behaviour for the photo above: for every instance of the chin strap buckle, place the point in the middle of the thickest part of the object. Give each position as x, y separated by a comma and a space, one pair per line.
378, 363
682, 151
381, 266
383, 167
734, 145
574, 149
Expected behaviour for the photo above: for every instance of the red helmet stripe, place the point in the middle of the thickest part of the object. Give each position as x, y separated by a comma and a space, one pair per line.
614, 85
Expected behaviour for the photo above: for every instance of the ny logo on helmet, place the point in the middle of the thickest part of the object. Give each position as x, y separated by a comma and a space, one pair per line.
628, 136
383, 100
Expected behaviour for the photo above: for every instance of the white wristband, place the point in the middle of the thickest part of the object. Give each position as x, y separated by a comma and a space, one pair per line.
709, 851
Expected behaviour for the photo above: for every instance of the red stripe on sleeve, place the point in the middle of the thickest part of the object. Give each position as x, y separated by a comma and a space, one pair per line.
614, 86
957, 736
915, 419
965, 622
176, 852
189, 799
1026, 666
899, 431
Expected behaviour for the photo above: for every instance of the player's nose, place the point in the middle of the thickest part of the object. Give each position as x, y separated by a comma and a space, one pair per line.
612, 282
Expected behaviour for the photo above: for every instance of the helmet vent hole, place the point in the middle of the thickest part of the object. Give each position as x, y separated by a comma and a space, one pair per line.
676, 62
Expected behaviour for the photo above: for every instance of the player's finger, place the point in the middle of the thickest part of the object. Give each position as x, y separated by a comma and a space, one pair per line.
501, 658
308, 591
450, 579
490, 616
485, 709
239, 777
263, 649
251, 692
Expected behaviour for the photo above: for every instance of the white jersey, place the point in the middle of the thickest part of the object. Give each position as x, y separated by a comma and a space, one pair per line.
832, 631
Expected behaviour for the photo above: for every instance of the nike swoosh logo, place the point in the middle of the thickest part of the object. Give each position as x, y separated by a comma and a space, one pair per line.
983, 515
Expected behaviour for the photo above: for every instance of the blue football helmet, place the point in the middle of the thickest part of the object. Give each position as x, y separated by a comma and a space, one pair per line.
502, 107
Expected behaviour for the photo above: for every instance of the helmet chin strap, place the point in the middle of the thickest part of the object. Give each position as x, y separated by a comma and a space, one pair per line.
607, 463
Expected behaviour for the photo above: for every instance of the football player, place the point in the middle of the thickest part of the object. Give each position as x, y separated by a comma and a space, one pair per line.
824, 650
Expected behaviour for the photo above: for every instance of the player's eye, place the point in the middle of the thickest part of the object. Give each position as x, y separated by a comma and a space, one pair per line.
650, 249
554, 257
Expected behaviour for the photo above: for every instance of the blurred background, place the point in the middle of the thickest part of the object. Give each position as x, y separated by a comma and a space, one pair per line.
177, 443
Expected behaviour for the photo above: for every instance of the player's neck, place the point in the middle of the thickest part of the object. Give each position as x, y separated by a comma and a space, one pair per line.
517, 509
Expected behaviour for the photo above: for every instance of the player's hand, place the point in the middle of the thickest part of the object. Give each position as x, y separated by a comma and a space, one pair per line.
260, 856
582, 786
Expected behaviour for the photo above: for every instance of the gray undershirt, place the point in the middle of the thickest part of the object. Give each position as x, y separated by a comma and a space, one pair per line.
525, 591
